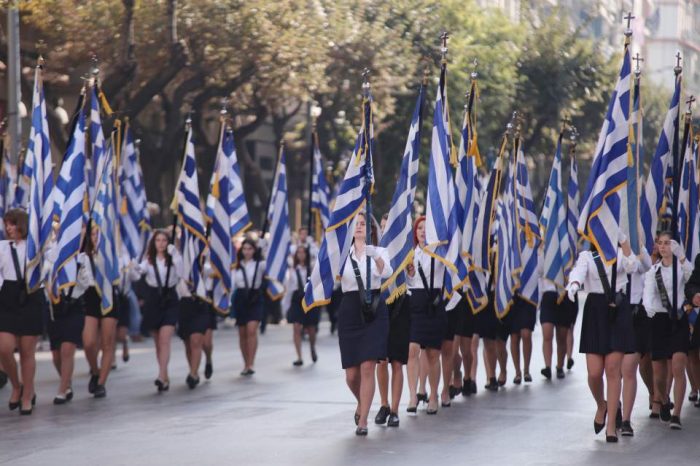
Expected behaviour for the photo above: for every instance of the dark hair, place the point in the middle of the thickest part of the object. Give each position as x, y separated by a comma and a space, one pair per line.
306, 260
239, 254
151, 251
373, 228
18, 218
664, 233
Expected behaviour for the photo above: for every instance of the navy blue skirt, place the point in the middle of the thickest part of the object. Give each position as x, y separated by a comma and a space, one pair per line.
248, 309
428, 326
486, 324
522, 315
600, 332
361, 341
93, 304
159, 309
193, 318
399, 330
296, 314
466, 329
641, 322
67, 324
24, 319
668, 337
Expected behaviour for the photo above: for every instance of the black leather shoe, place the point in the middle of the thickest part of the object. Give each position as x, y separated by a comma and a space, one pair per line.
618, 417
472, 384
357, 418
676, 423
560, 373
569, 364
93, 383
208, 370
69, 394
162, 386
466, 387
60, 400
599, 427
547, 372
665, 413
382, 415
15, 404
314, 356
191, 381
626, 429
528, 377
517, 380
26, 412
298, 363
422, 397
492, 385
361, 431
611, 438
100, 391
393, 420
454, 391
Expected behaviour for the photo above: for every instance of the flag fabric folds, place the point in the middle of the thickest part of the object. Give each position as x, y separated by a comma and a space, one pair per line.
572, 205
104, 219
41, 185
133, 215
337, 238
189, 212
506, 259
528, 232
320, 192
599, 222
280, 238
553, 222
398, 232
70, 205
99, 155
655, 188
688, 201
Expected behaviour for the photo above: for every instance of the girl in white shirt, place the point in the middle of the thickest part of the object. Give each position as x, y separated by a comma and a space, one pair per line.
363, 329
163, 270
20, 313
670, 333
302, 321
248, 301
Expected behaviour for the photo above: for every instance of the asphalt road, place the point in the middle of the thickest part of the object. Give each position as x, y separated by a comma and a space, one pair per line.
304, 416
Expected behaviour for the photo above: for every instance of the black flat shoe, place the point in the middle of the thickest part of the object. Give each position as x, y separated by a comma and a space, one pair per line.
247, 372
528, 377
60, 400
361, 431
15, 404
611, 438
466, 387
162, 386
69, 394
208, 370
314, 356
296, 363
472, 386
547, 373
192, 382
357, 418
597, 428
676, 423
454, 391
665, 413
26, 412
93, 383
618, 417
560, 373
501, 383
382, 415
100, 391
492, 386
569, 364
393, 420
422, 397
517, 380
693, 397
626, 429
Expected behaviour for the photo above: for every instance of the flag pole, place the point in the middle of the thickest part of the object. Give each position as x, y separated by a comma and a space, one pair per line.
312, 164
367, 117
677, 70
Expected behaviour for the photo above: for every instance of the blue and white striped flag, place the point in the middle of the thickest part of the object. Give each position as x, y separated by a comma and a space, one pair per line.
189, 212
599, 222
133, 215
20, 199
219, 208
572, 205
688, 201
338, 235
506, 260
41, 185
8, 175
104, 218
553, 224
70, 203
320, 192
528, 232
398, 232
280, 237
99, 154
658, 179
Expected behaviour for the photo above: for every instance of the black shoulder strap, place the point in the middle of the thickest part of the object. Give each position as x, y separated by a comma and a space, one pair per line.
159, 281
300, 284
663, 293
15, 261
423, 279
245, 277
358, 277
609, 293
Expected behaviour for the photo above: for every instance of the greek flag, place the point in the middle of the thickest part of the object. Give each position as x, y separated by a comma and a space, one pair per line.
133, 219
280, 238
104, 218
398, 232
70, 204
189, 213
655, 188
528, 232
41, 185
338, 235
553, 222
97, 141
688, 200
8, 175
320, 192
219, 209
506, 261
21, 188
572, 204
599, 222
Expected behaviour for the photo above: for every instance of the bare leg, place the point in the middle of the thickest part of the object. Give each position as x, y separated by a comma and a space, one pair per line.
383, 381
208, 345
613, 378
475, 357
433, 356
108, 333
27, 364
630, 362
490, 358
515, 352
526, 335
56, 359
252, 330
547, 338
447, 365
412, 371
570, 342
352, 379
164, 336
647, 374
396, 385
502, 357
311, 332
679, 362
423, 372
595, 365
466, 348
660, 368
8, 343
243, 344
560, 334
297, 340
90, 343
195, 356
367, 371
67, 363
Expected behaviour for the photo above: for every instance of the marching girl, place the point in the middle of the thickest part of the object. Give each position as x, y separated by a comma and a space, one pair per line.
555, 325
463, 340
20, 314
670, 335
163, 270
208, 343
302, 322
100, 331
428, 319
606, 332
521, 322
486, 326
362, 328
248, 301
397, 357
122, 298
65, 329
